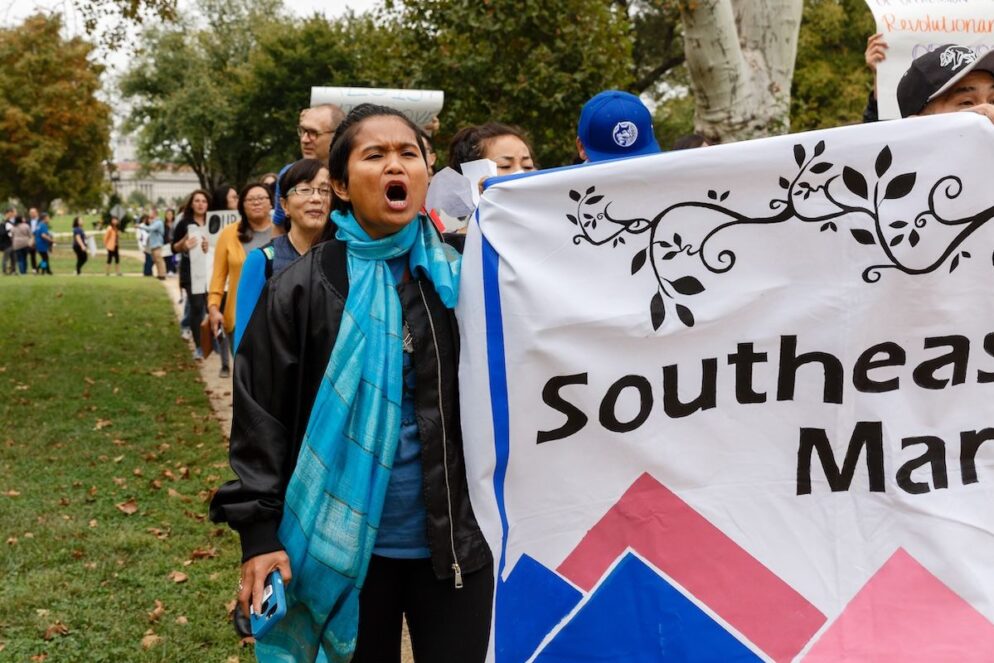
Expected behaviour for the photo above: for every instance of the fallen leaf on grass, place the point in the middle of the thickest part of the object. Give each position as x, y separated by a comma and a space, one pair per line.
157, 611
122, 482
90, 566
160, 534
119, 443
58, 628
182, 621
102, 423
247, 641
169, 475
207, 495
12, 493
41, 612
93, 522
118, 459
22, 387
199, 517
230, 607
204, 553
77, 554
89, 381
128, 507
178, 577
39, 658
150, 640
12, 541
172, 492
29, 535
64, 501
158, 374
155, 484
137, 471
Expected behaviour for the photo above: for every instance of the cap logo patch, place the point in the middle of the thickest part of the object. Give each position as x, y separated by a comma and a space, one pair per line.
957, 57
625, 133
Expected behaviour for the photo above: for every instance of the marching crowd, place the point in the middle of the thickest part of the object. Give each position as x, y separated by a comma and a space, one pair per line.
335, 289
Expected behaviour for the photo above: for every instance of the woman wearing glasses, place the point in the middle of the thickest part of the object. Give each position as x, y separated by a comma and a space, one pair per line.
307, 202
253, 231
346, 437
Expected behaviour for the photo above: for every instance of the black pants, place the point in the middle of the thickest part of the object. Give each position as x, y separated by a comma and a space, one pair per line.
198, 310
447, 625
81, 258
43, 266
33, 254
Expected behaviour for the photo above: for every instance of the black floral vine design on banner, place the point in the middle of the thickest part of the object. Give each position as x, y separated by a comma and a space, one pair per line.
869, 196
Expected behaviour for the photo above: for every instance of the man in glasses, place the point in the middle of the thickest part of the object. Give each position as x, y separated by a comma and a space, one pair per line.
316, 128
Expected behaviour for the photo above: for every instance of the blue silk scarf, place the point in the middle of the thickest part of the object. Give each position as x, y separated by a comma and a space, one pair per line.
335, 496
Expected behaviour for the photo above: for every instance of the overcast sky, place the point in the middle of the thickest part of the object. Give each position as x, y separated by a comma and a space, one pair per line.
14, 11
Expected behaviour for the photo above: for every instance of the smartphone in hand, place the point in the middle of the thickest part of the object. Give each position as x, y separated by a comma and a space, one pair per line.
273, 606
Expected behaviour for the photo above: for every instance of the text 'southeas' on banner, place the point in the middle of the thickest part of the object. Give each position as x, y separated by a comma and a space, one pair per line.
734, 404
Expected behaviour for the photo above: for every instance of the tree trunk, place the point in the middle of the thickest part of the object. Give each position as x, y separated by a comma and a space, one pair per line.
741, 54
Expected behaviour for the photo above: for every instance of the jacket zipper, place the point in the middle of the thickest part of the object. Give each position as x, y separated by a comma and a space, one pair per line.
457, 571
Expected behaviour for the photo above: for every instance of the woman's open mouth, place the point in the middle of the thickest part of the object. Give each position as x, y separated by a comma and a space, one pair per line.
396, 194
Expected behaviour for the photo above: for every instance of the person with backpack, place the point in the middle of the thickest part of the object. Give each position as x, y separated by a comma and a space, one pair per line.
307, 203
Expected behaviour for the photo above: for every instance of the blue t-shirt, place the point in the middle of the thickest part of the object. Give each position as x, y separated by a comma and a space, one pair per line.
41, 244
403, 532
78, 232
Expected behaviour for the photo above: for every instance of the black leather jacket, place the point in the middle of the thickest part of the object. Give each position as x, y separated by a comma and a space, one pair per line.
279, 366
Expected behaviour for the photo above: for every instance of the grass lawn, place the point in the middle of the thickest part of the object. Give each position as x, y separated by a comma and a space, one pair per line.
62, 223
108, 455
64, 261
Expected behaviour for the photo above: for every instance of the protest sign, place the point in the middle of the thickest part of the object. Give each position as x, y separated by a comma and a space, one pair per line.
418, 105
912, 28
201, 263
733, 404
217, 221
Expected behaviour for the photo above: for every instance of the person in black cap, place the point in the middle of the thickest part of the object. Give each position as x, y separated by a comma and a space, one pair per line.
615, 124
951, 78
948, 79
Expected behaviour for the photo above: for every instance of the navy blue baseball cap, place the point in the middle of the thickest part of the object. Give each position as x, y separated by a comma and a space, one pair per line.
616, 124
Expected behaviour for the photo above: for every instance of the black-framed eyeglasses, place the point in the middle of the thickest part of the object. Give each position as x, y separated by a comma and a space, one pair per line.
313, 134
308, 191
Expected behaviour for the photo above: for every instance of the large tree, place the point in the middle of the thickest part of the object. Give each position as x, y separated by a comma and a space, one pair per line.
528, 63
54, 131
740, 54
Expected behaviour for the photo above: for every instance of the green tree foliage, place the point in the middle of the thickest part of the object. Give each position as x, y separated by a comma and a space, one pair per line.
186, 91
223, 98
110, 20
287, 60
831, 81
54, 132
528, 63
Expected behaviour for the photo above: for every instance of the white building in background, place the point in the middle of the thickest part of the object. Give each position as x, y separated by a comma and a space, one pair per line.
156, 183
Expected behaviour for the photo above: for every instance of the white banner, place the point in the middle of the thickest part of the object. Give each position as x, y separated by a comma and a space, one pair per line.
913, 28
418, 105
733, 404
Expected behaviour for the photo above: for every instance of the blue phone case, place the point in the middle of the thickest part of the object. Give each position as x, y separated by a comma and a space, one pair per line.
273, 606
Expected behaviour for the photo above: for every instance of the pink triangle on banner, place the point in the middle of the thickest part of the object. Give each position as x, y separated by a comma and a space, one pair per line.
904, 613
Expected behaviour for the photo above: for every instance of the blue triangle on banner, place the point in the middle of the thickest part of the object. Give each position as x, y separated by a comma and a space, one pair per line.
530, 603
636, 616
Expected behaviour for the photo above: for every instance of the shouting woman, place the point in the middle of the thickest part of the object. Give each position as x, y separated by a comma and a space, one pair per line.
346, 437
